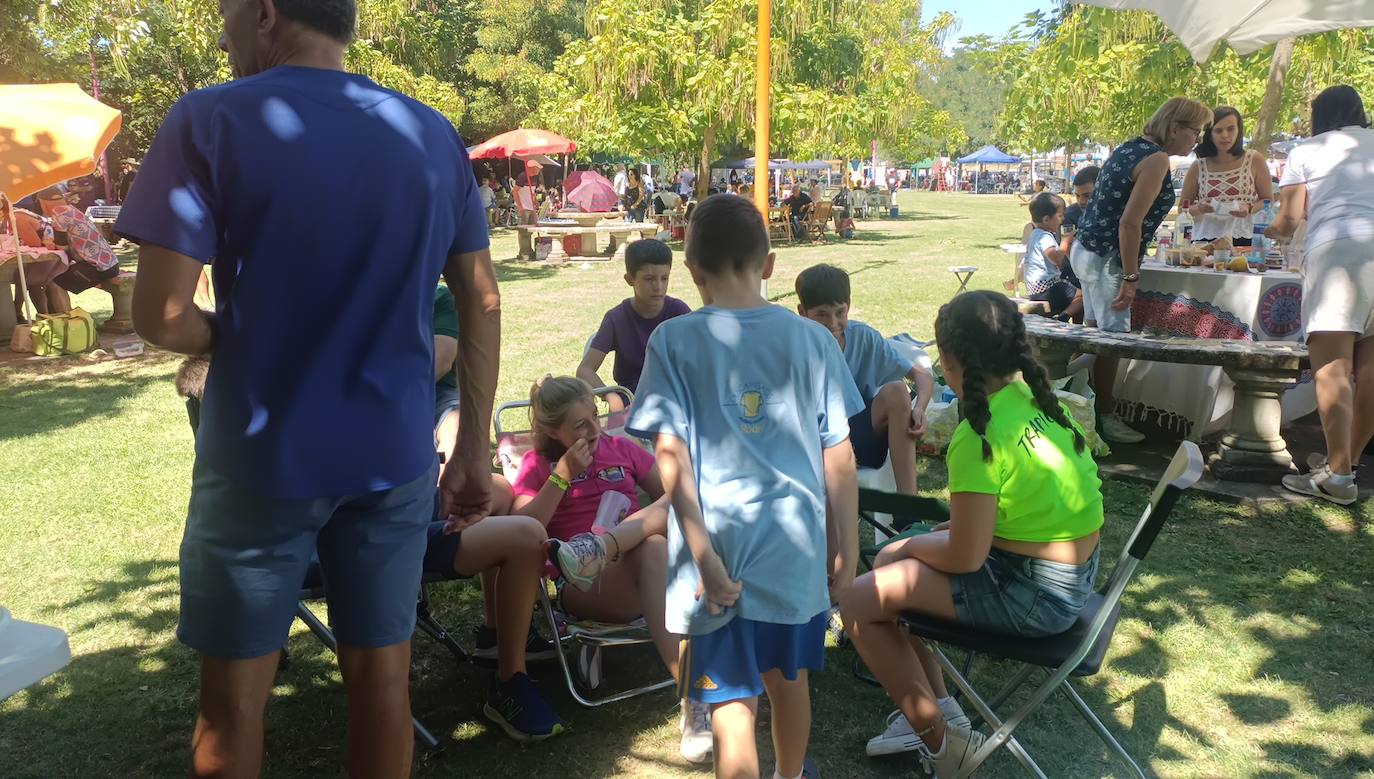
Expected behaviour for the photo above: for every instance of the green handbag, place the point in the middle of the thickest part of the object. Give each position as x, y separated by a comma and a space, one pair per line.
69, 333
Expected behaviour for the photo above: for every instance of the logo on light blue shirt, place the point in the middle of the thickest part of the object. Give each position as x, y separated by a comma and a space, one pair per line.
750, 406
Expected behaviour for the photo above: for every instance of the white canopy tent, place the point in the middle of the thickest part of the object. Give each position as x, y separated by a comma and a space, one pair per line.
1247, 25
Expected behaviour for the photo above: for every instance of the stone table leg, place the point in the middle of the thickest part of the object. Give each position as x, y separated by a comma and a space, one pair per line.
1053, 357
7, 315
558, 254
526, 251
121, 289
1253, 449
618, 243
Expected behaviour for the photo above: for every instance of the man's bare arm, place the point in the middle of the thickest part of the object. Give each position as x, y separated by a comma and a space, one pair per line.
165, 311
472, 280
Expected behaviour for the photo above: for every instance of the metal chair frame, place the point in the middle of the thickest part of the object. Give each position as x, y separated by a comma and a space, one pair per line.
1183, 472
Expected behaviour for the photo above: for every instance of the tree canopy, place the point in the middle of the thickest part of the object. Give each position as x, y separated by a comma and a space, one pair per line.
1090, 75
677, 79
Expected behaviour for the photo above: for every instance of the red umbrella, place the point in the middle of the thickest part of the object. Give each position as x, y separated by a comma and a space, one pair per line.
578, 176
593, 195
522, 143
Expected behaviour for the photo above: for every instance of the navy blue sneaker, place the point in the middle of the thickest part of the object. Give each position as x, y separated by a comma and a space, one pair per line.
518, 708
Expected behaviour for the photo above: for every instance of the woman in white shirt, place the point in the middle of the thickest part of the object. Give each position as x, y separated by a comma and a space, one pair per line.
1330, 181
1229, 184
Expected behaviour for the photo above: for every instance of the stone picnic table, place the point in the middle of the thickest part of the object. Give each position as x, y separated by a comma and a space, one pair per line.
40, 266
621, 234
1195, 302
1252, 448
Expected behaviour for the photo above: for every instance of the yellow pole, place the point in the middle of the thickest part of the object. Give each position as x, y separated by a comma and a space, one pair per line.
763, 67
763, 76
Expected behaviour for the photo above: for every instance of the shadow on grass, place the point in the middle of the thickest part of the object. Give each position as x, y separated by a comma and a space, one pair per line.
129, 710
868, 266
522, 270
1281, 585
42, 397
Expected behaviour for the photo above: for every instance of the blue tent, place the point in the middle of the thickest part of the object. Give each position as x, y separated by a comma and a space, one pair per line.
745, 164
989, 155
814, 165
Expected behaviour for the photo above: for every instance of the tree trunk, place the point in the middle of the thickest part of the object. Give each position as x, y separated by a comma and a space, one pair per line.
1273, 96
708, 145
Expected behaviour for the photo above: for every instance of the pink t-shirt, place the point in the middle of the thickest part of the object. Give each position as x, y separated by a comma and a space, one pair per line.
617, 466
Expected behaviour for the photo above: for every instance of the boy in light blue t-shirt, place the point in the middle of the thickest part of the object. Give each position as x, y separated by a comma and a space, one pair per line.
891, 421
749, 406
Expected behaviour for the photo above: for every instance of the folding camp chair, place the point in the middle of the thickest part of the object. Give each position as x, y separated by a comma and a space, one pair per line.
817, 219
589, 638
1078, 651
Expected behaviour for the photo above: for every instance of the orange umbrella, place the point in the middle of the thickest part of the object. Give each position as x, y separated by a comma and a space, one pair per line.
49, 133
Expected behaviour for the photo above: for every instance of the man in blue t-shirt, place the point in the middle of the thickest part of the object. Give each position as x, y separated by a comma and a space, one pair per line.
319, 404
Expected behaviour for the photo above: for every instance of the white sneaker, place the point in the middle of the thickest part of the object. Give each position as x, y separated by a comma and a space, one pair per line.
899, 737
696, 746
1316, 461
958, 750
1114, 431
589, 665
1318, 484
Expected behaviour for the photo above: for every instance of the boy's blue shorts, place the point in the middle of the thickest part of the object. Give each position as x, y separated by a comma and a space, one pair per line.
870, 445
244, 557
728, 664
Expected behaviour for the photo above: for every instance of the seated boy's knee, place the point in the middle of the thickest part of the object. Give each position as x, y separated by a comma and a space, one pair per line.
893, 401
895, 392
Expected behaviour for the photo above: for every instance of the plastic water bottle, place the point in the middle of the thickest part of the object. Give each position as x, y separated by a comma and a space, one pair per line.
1265, 217
1183, 226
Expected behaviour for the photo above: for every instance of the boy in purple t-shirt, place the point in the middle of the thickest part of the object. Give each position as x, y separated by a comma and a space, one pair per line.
626, 328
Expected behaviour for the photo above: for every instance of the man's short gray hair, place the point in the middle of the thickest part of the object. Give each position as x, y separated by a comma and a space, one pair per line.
335, 18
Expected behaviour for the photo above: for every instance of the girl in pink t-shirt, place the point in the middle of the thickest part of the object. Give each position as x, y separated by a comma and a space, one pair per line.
622, 573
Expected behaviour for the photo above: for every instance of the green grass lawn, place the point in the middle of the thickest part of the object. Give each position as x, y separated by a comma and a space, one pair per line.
1245, 649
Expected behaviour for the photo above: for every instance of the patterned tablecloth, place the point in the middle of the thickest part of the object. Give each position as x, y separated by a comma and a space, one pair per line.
1196, 400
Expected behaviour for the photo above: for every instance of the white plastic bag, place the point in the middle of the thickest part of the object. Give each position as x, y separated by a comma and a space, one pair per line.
1081, 401
941, 420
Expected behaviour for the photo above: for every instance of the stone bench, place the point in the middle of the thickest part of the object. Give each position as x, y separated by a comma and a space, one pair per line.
1252, 449
121, 288
620, 233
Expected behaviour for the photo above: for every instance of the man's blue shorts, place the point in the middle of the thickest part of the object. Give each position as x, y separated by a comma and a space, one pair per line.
244, 557
728, 664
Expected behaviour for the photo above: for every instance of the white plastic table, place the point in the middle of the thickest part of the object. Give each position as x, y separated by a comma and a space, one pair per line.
963, 273
29, 652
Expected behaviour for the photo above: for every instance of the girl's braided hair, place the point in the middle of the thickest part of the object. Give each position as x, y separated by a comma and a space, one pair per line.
985, 333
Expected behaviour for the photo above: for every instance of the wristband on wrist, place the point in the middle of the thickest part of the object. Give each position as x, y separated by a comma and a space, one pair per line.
558, 481
1130, 278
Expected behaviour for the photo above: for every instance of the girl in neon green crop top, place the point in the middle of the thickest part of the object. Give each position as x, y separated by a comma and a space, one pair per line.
1020, 551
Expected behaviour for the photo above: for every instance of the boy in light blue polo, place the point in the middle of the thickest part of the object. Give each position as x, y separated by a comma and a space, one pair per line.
749, 408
